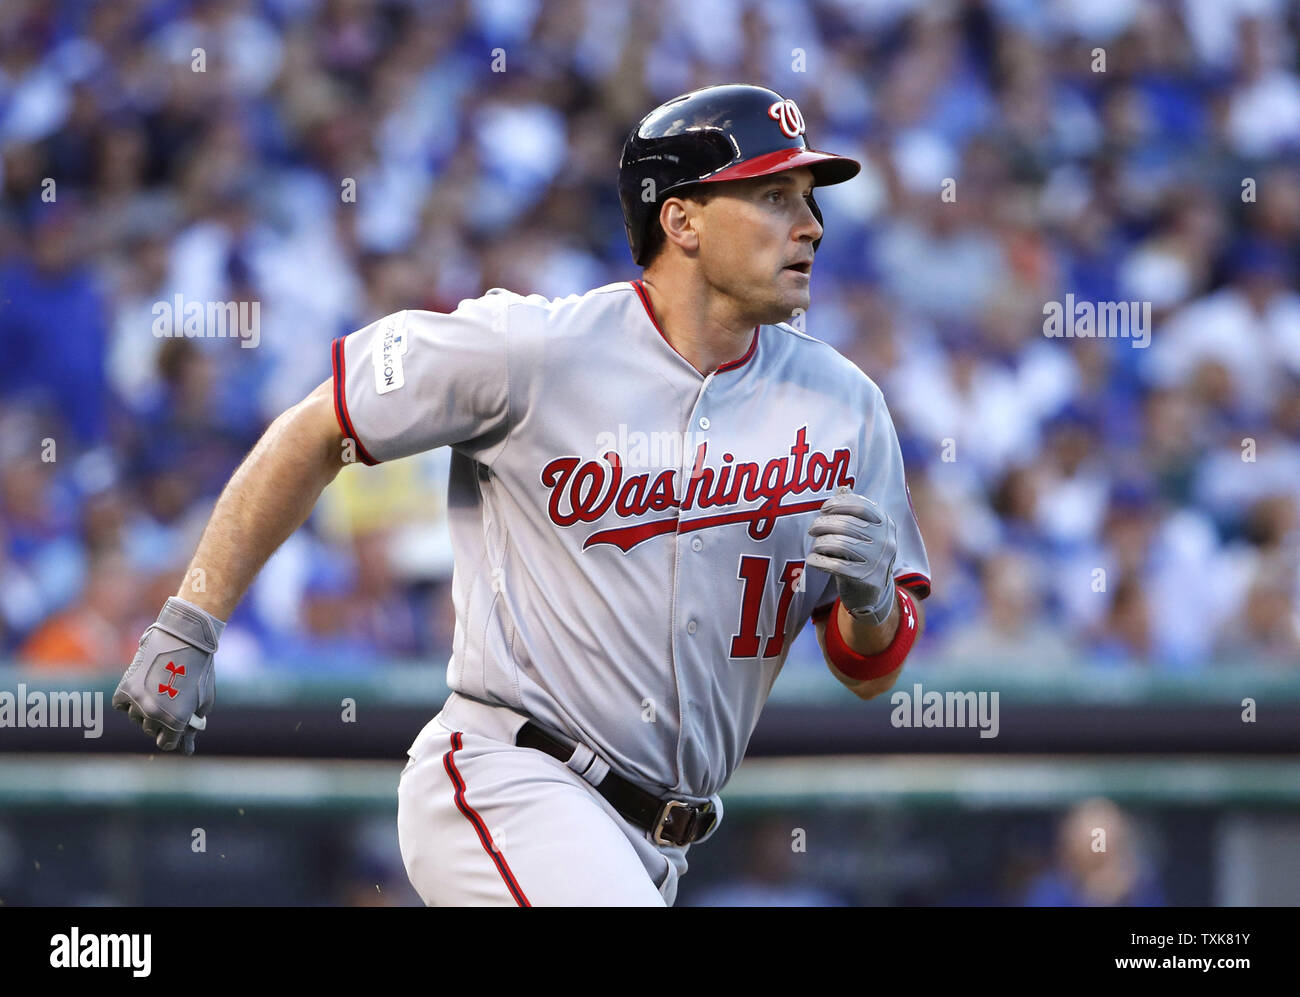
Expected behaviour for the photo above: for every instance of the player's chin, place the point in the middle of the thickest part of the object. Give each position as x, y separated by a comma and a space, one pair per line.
794, 292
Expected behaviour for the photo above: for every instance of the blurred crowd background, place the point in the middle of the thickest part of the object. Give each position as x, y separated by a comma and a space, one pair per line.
1171, 177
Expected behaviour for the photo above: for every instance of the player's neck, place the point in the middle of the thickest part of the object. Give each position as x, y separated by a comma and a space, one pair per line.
704, 328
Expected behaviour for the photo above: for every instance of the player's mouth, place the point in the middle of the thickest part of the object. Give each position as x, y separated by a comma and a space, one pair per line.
804, 268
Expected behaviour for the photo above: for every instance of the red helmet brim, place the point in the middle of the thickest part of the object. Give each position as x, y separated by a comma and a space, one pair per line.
827, 168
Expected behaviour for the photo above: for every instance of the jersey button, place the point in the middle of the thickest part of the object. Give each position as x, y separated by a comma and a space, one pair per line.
697, 544
704, 422
691, 627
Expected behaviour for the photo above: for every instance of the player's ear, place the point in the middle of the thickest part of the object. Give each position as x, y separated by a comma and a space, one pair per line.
680, 220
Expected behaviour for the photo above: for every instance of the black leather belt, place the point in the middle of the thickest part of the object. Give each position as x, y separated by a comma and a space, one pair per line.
670, 822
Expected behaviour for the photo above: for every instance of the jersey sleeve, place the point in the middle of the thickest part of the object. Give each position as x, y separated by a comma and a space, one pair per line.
418, 380
882, 479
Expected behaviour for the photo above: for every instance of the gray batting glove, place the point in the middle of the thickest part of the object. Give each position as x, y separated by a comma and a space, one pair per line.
856, 541
171, 686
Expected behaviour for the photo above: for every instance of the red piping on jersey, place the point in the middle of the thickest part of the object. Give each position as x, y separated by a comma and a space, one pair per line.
913, 581
485, 839
639, 287
341, 402
916, 582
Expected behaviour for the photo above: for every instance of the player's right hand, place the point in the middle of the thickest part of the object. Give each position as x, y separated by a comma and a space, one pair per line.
171, 684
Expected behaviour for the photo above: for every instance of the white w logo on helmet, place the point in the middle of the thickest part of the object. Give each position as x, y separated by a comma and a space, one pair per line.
786, 114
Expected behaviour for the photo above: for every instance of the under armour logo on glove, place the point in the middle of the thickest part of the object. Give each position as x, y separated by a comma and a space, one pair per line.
173, 712
170, 687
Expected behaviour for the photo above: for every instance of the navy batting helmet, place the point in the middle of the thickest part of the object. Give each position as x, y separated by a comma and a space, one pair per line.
706, 136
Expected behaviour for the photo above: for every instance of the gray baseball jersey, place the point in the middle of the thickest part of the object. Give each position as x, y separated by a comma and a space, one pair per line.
629, 533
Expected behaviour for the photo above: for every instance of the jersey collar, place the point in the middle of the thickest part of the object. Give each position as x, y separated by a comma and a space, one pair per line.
740, 361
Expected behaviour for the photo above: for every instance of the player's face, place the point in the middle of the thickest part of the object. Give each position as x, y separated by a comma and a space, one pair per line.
756, 243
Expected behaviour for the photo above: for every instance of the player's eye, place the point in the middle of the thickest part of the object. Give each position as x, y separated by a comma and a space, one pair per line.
778, 194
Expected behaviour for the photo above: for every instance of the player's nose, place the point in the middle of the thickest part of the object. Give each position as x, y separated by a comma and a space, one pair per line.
809, 228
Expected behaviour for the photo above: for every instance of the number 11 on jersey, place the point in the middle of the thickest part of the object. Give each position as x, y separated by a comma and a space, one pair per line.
753, 572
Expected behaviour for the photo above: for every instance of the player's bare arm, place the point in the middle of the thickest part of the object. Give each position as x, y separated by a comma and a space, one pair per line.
867, 639
170, 686
269, 496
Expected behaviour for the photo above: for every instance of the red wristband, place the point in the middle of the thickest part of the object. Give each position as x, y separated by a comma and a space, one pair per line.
872, 666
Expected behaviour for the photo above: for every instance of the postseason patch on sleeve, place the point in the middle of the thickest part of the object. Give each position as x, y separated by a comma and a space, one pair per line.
389, 375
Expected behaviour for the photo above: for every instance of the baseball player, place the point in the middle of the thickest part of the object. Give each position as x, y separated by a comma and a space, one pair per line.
654, 486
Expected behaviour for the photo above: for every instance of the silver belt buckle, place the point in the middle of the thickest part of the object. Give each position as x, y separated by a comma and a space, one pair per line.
665, 815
